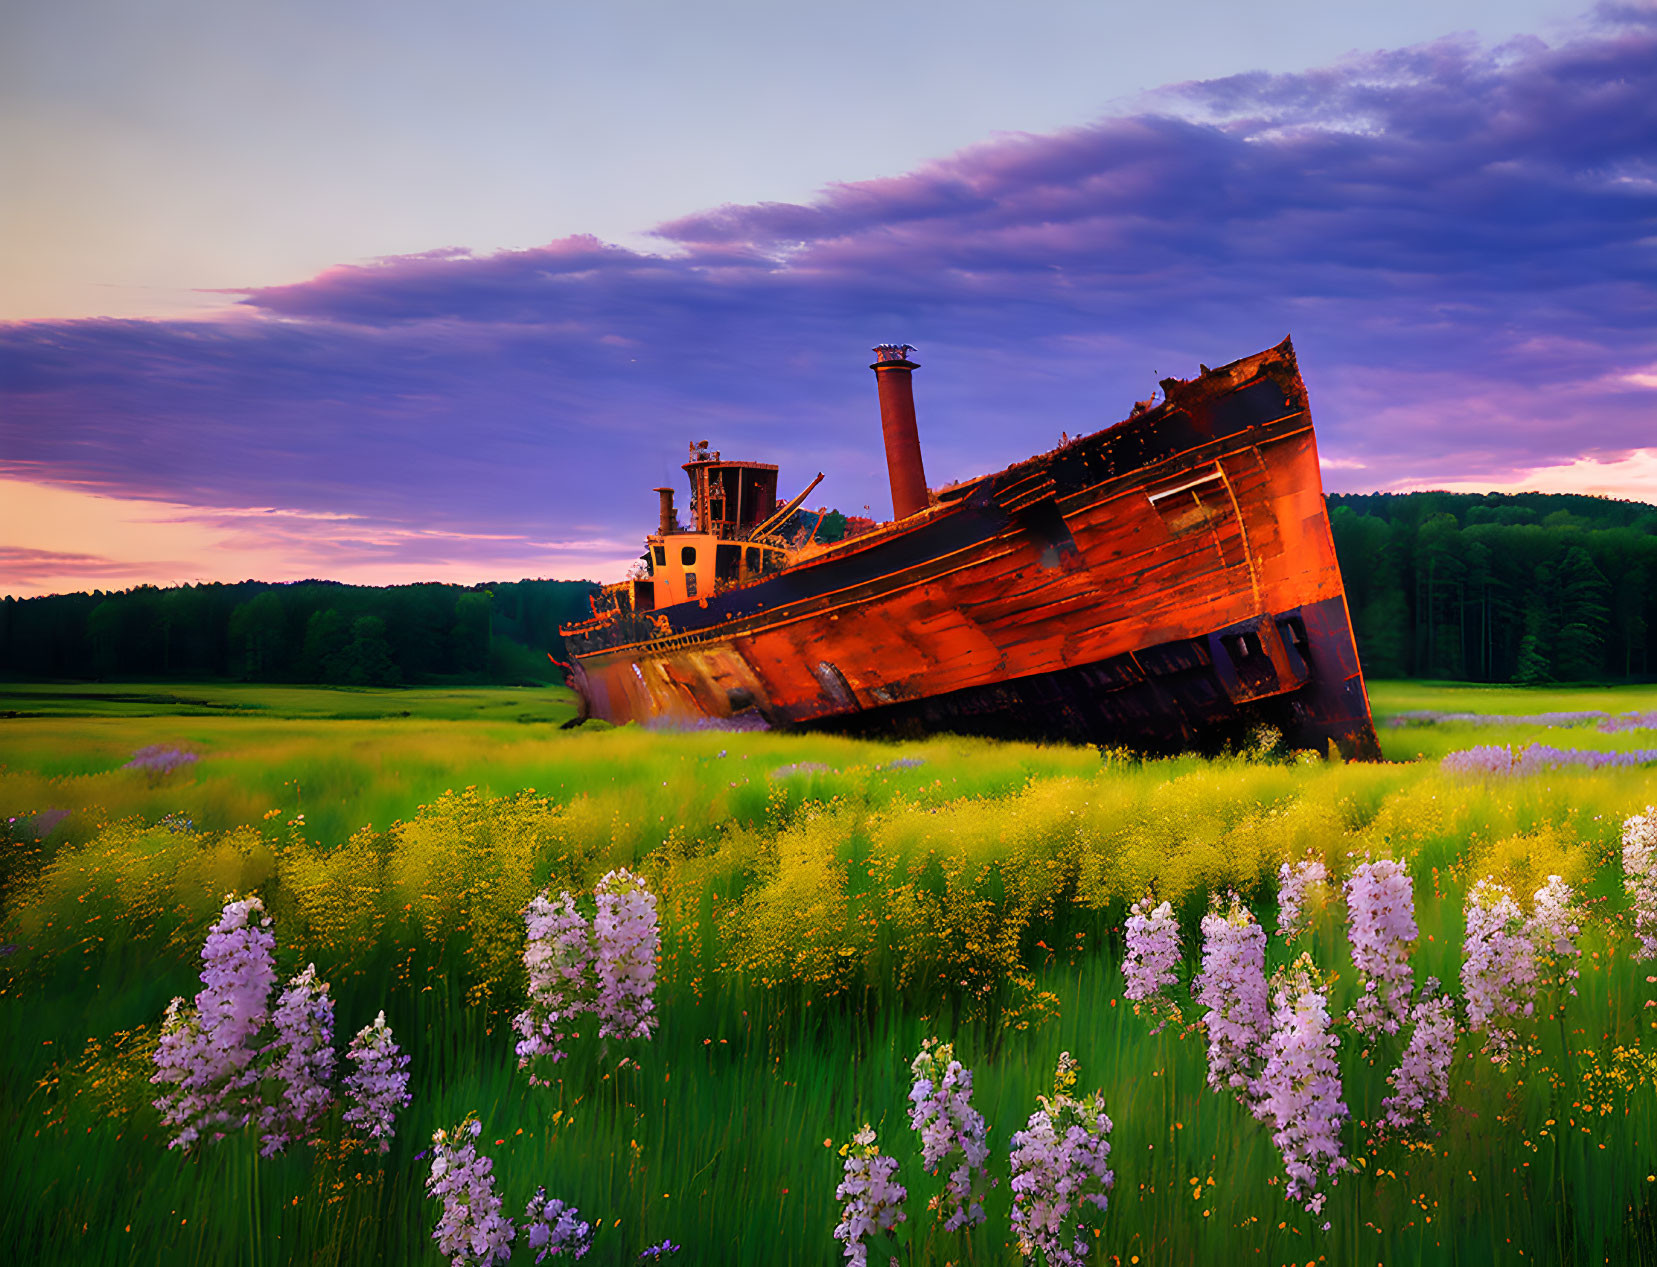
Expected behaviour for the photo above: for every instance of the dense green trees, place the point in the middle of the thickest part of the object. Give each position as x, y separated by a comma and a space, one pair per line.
1526, 587
312, 631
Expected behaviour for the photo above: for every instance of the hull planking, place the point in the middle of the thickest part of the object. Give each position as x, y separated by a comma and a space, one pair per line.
1168, 583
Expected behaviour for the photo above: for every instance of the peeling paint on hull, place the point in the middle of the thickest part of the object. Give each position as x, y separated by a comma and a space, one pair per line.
1166, 583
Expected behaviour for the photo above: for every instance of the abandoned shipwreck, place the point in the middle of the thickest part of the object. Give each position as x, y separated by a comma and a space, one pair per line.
1166, 583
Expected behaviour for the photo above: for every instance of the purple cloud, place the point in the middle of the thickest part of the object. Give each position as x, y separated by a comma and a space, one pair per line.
1459, 239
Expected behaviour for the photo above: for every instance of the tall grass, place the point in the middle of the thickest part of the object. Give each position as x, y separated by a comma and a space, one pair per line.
818, 923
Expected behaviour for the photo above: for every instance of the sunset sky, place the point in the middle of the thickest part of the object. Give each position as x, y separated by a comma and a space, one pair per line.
395, 292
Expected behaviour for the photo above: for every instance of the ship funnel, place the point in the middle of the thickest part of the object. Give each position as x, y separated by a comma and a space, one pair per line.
669, 522
893, 370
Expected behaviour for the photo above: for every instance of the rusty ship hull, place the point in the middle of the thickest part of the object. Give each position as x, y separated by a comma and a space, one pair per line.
1167, 583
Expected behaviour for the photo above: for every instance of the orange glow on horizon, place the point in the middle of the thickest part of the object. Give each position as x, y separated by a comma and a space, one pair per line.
60, 540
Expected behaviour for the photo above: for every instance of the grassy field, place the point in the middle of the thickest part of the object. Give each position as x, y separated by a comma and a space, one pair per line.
826, 904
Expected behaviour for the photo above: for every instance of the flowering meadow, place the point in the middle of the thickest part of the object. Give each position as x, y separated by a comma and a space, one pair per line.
751, 998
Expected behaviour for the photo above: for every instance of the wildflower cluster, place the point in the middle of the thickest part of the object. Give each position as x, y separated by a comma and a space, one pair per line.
1060, 1165
302, 1062
627, 937
1533, 758
1606, 723
159, 759
951, 1131
1629, 721
472, 1228
1552, 931
559, 956
1422, 1078
607, 967
1232, 990
1429, 717
552, 1227
1380, 921
1294, 880
205, 1052
1152, 951
216, 1073
1498, 968
1639, 866
873, 1199
378, 1085
1299, 1092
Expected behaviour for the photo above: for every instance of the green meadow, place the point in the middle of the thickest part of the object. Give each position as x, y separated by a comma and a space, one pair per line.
826, 905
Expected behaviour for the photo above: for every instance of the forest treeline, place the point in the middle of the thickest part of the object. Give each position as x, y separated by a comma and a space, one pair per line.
1524, 587
307, 631
1495, 587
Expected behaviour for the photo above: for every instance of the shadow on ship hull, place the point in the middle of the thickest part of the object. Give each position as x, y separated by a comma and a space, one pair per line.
1163, 700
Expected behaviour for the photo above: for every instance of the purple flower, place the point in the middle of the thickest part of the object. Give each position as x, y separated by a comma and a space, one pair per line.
1422, 1078
1295, 883
301, 1062
552, 1227
1552, 930
1629, 721
558, 953
1061, 1165
378, 1086
1148, 966
1426, 717
1538, 757
627, 940
1232, 990
195, 1075
206, 1052
1639, 868
659, 1251
941, 1110
1498, 967
1299, 1092
1483, 759
1380, 923
471, 1229
157, 759
872, 1198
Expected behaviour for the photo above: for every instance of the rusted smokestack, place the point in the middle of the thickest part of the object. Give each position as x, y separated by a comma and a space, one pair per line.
893, 370
669, 522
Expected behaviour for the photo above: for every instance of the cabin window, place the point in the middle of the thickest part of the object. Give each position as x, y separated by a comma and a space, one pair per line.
690, 584
753, 561
687, 556
661, 555
725, 562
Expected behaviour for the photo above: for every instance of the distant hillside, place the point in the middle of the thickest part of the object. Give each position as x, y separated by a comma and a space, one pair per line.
1500, 587
307, 631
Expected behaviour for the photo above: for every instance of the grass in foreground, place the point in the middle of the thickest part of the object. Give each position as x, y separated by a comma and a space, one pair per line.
817, 925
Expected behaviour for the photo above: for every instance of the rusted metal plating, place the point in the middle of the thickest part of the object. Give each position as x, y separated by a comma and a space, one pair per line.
1167, 583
